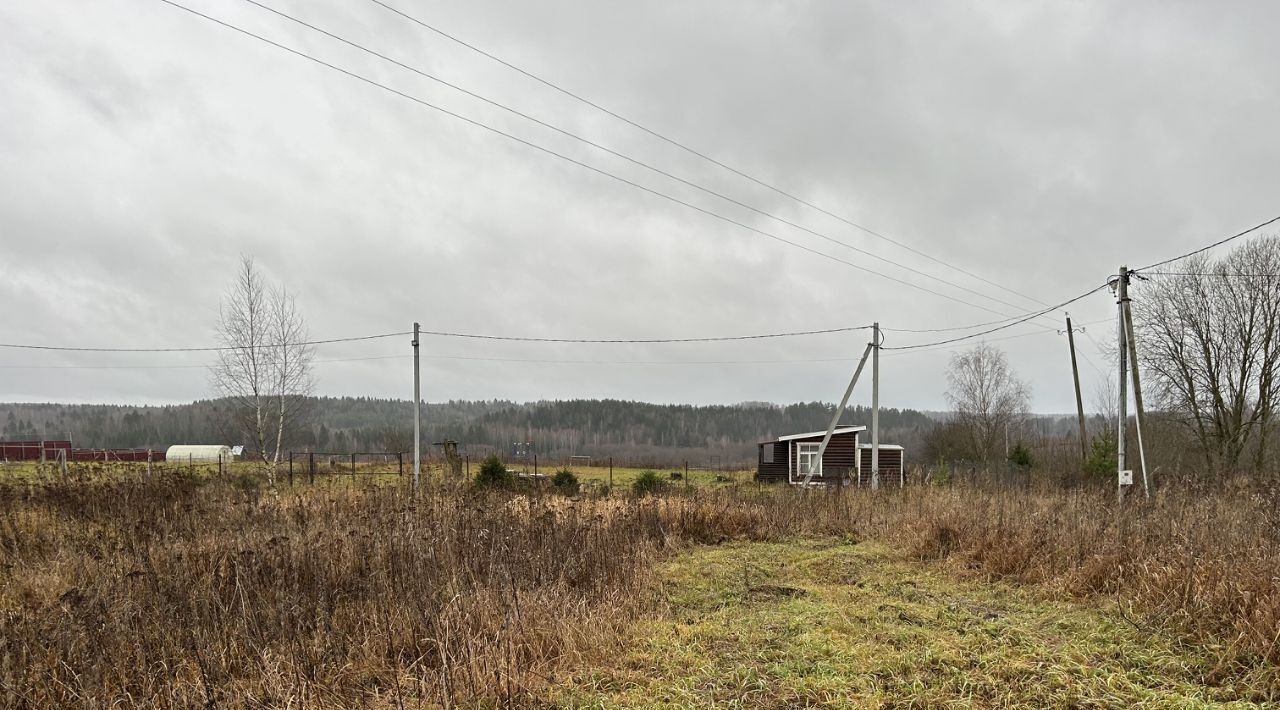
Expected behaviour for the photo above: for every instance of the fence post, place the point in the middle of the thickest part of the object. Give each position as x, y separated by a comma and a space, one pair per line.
535, 464
468, 460
311, 467
353, 468
291, 469
220, 476
610, 474
191, 462
400, 459
686, 474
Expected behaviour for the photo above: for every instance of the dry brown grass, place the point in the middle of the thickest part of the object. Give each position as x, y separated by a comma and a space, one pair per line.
171, 592
1205, 563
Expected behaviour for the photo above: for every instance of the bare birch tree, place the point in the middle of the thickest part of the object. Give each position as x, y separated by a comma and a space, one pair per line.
1209, 338
1106, 403
987, 397
264, 370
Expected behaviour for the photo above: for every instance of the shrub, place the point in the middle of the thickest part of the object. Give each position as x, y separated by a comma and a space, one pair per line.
940, 473
564, 481
1102, 459
1020, 456
494, 474
647, 483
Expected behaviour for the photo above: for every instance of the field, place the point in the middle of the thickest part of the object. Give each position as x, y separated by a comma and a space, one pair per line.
337, 470
184, 589
823, 621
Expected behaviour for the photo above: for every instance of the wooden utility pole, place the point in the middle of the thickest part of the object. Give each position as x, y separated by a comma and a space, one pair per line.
1137, 394
1075, 377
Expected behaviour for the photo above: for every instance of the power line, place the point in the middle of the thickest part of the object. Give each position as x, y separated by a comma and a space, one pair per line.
1079, 326
1001, 327
694, 152
448, 334
615, 153
642, 362
178, 367
949, 329
1089, 360
218, 348
903, 351
1223, 274
644, 340
560, 361
569, 159
1220, 242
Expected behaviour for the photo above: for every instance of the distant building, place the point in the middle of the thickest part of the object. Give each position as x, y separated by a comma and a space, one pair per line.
32, 450
846, 461
199, 452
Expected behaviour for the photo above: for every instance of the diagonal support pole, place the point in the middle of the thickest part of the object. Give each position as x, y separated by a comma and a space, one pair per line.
844, 401
1131, 341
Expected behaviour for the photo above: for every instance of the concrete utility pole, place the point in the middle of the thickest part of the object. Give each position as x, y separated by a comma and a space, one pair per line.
1075, 377
875, 406
1122, 298
417, 411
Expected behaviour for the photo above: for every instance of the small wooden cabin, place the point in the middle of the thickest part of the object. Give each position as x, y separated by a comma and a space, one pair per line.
845, 462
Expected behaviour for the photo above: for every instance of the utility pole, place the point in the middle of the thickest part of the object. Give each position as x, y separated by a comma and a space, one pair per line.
417, 411
875, 406
1137, 394
1122, 298
1075, 377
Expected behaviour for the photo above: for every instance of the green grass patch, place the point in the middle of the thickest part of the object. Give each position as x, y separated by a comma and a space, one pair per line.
838, 623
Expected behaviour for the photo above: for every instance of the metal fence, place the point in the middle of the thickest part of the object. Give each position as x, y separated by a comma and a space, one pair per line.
310, 464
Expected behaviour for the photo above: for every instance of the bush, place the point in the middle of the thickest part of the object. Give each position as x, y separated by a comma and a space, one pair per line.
940, 474
564, 481
1103, 459
1020, 456
494, 474
647, 483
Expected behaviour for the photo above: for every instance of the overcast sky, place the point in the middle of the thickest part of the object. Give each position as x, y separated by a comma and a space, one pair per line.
1038, 145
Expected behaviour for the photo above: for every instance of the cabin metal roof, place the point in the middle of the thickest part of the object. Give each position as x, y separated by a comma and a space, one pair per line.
812, 434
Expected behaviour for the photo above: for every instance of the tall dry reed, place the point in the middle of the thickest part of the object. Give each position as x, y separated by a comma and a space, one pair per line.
171, 592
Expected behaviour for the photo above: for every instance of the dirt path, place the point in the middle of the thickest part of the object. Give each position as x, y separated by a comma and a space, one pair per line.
841, 624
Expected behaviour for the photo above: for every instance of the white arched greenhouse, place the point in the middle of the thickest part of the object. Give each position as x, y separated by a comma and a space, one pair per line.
199, 452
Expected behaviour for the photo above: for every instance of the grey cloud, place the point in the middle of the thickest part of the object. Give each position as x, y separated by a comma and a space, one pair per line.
143, 150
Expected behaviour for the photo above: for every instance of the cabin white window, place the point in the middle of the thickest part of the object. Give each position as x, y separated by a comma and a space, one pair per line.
766, 453
807, 459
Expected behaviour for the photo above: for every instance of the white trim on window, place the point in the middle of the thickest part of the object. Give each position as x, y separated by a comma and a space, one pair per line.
808, 459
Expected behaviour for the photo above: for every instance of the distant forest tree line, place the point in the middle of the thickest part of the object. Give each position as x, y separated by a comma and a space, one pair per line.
632, 431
